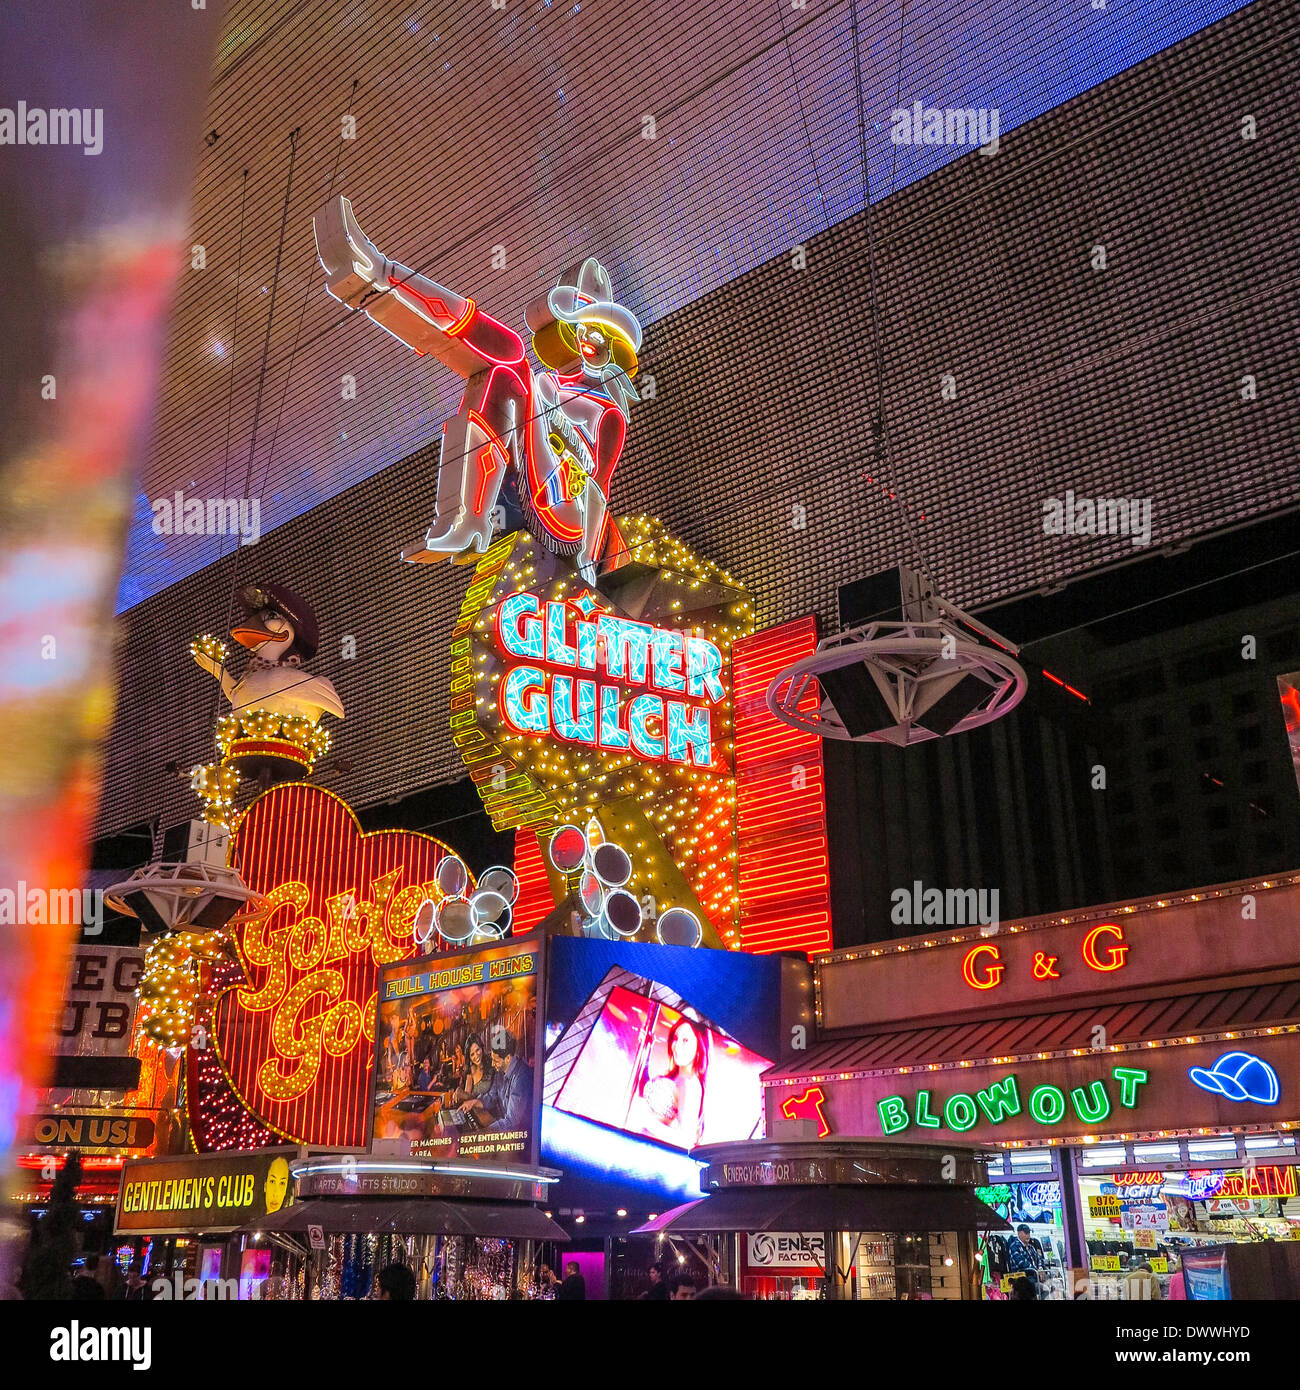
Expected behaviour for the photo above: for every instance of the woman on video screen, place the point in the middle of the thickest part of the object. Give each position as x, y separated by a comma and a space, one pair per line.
671, 1104
476, 1078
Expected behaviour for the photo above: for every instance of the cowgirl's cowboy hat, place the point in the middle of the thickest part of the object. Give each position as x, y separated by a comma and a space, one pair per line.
584, 295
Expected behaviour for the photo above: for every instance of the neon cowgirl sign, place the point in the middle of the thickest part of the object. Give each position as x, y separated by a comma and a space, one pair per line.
678, 673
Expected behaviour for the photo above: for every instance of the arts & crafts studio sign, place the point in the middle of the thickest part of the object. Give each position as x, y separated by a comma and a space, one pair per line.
1043, 960
586, 676
1137, 1090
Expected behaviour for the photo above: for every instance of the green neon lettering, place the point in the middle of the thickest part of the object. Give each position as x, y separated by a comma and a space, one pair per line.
959, 1112
1047, 1104
1000, 1099
893, 1114
1130, 1078
1099, 1107
923, 1116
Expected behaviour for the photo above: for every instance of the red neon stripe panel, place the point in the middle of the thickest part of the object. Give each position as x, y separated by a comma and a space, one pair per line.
782, 855
534, 900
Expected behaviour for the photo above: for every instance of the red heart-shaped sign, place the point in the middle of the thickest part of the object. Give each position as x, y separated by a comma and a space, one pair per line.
296, 1037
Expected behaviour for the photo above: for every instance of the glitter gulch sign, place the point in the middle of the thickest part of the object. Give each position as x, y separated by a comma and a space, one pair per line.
296, 1037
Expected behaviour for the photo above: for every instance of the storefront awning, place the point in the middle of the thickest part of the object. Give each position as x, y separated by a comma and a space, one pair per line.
1133, 1021
862, 1208
414, 1217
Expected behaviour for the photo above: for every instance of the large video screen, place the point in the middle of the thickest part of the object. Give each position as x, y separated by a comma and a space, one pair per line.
648, 1068
456, 1055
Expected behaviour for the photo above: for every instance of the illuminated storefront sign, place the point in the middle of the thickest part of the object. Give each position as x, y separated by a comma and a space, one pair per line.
1076, 1093
1134, 1187
1263, 1180
458, 1052
808, 1106
202, 1194
99, 1130
1045, 961
1240, 1076
1103, 951
678, 676
569, 705
780, 1173
296, 1037
1197, 1185
786, 1252
1045, 1103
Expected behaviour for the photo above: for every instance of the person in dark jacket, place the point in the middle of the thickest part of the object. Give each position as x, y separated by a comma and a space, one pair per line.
658, 1290
396, 1284
574, 1287
507, 1104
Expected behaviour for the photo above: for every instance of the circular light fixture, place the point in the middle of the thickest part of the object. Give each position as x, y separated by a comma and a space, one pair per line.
456, 920
568, 848
612, 865
426, 922
487, 907
451, 876
621, 914
499, 879
590, 894
679, 926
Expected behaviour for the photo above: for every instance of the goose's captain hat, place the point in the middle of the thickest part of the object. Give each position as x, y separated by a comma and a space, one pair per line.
272, 615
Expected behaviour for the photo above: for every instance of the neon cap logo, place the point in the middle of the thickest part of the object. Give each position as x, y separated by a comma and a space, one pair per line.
1239, 1076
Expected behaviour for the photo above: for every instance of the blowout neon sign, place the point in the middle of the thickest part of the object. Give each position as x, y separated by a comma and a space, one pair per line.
678, 676
1002, 1099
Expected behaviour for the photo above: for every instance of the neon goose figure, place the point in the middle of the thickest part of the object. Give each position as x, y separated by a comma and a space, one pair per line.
280, 631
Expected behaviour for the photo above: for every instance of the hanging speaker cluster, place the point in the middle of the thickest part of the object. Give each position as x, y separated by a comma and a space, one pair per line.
917, 668
188, 895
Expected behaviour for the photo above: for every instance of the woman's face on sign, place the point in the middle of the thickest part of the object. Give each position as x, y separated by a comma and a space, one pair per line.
685, 1046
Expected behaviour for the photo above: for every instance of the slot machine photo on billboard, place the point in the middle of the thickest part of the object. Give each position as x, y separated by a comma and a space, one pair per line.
456, 1054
